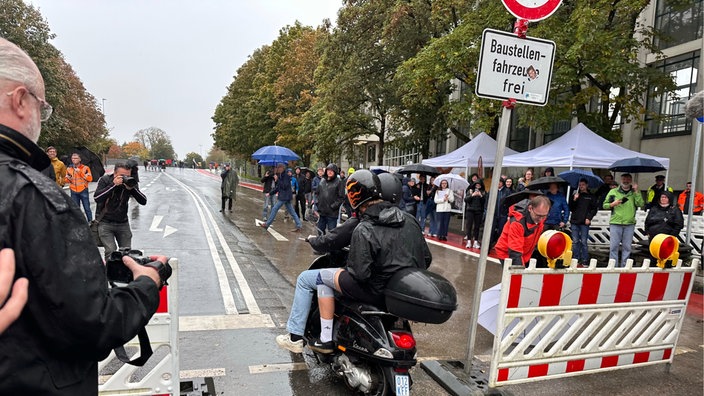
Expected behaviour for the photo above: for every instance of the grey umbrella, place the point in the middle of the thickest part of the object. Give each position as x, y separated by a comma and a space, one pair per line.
544, 182
637, 165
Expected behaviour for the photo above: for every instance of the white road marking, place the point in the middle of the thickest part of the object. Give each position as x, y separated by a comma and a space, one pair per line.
168, 230
155, 223
276, 368
271, 231
214, 372
247, 294
224, 322
227, 297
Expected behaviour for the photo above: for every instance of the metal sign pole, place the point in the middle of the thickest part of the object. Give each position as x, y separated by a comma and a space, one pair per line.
695, 167
501, 138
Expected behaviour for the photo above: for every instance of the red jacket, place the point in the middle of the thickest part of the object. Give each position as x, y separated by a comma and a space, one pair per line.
519, 236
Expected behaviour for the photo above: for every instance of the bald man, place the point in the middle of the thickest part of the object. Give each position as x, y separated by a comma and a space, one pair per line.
71, 319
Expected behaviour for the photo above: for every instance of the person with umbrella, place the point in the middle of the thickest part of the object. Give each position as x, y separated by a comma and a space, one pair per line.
622, 202
284, 197
559, 210
583, 205
443, 205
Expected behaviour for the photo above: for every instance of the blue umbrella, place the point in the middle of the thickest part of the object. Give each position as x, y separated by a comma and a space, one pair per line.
271, 155
572, 177
636, 165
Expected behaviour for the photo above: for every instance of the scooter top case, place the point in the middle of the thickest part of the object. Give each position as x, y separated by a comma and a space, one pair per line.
421, 296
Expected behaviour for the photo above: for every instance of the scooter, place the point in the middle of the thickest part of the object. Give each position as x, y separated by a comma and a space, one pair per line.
375, 349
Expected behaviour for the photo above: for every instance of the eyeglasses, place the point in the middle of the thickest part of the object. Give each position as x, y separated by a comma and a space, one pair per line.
45, 108
539, 216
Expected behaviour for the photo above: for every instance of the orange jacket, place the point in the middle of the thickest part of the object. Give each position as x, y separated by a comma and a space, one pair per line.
698, 202
78, 178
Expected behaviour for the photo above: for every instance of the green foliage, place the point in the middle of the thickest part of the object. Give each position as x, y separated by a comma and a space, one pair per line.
191, 157
157, 142
76, 120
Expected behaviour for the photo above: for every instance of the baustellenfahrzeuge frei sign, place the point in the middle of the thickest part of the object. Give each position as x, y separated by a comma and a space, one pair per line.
513, 67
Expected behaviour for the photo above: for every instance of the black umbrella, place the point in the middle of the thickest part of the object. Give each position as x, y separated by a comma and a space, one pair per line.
420, 169
91, 160
637, 165
519, 196
544, 182
305, 170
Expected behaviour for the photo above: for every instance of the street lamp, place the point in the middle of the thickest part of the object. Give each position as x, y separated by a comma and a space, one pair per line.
103, 109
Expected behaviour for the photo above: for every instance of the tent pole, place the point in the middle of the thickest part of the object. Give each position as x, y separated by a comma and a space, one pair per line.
501, 138
695, 165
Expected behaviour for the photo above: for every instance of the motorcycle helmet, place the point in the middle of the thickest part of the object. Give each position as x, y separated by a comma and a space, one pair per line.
361, 187
391, 190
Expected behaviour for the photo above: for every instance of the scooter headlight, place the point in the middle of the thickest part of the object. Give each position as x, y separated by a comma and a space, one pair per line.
384, 353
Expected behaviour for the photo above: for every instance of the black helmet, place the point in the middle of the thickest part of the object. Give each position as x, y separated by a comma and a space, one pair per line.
333, 167
362, 186
391, 189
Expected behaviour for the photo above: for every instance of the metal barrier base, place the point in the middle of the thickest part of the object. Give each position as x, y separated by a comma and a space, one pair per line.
451, 376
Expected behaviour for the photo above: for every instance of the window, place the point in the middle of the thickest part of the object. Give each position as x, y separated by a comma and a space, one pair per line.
670, 105
371, 153
678, 23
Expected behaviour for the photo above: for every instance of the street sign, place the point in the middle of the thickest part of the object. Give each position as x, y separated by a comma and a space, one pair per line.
512, 67
532, 10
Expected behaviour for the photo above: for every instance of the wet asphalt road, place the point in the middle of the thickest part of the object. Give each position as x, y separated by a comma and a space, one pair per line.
240, 276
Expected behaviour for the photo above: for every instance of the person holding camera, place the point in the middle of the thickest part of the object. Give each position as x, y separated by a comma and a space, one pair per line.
112, 197
623, 202
71, 319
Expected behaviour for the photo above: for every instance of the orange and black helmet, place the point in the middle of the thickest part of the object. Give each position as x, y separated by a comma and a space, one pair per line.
361, 187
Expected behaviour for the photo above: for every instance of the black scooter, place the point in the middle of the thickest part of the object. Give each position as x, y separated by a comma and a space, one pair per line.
375, 349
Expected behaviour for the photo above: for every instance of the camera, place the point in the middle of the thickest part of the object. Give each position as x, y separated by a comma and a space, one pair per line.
129, 181
624, 199
118, 272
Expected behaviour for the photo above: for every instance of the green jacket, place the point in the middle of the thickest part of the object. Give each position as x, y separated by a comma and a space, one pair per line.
624, 213
230, 180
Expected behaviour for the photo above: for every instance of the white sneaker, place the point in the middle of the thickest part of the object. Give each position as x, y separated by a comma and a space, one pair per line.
476, 245
284, 341
469, 245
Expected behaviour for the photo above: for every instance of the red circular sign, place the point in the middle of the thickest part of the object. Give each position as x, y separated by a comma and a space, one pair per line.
532, 10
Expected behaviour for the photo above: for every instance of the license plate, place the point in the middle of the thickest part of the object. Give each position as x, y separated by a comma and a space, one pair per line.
403, 386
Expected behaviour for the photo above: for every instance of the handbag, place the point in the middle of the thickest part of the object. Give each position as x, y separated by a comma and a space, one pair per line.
94, 225
94, 231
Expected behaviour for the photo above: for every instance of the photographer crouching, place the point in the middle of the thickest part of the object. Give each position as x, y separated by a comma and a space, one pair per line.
112, 197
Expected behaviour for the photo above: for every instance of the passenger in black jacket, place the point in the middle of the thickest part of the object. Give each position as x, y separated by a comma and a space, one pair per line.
664, 218
72, 319
583, 206
112, 197
331, 193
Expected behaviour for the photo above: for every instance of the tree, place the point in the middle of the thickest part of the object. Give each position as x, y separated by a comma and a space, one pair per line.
76, 120
115, 151
136, 149
193, 157
156, 141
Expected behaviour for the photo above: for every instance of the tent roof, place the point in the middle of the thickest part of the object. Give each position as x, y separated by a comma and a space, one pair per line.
578, 148
482, 145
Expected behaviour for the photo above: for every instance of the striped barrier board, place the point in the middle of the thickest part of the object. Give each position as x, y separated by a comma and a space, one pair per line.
162, 369
565, 322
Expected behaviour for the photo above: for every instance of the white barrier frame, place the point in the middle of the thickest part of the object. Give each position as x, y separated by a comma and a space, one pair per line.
599, 234
575, 339
163, 378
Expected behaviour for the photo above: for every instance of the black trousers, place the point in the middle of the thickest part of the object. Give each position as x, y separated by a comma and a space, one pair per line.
229, 206
300, 206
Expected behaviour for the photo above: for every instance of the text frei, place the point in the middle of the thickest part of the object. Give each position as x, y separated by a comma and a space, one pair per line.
515, 51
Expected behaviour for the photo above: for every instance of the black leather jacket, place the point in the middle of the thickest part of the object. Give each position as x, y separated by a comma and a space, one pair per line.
664, 220
385, 241
71, 320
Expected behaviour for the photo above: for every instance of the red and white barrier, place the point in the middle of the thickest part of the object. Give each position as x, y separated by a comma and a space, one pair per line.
557, 323
162, 377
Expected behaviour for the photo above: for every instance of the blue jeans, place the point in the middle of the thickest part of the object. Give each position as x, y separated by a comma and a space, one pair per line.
621, 234
327, 223
109, 232
290, 210
302, 299
269, 202
443, 220
430, 211
580, 236
420, 214
83, 197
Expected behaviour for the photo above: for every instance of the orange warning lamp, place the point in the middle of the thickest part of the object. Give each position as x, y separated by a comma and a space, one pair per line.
665, 247
554, 245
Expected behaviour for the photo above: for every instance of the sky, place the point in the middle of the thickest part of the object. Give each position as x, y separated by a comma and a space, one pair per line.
168, 63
